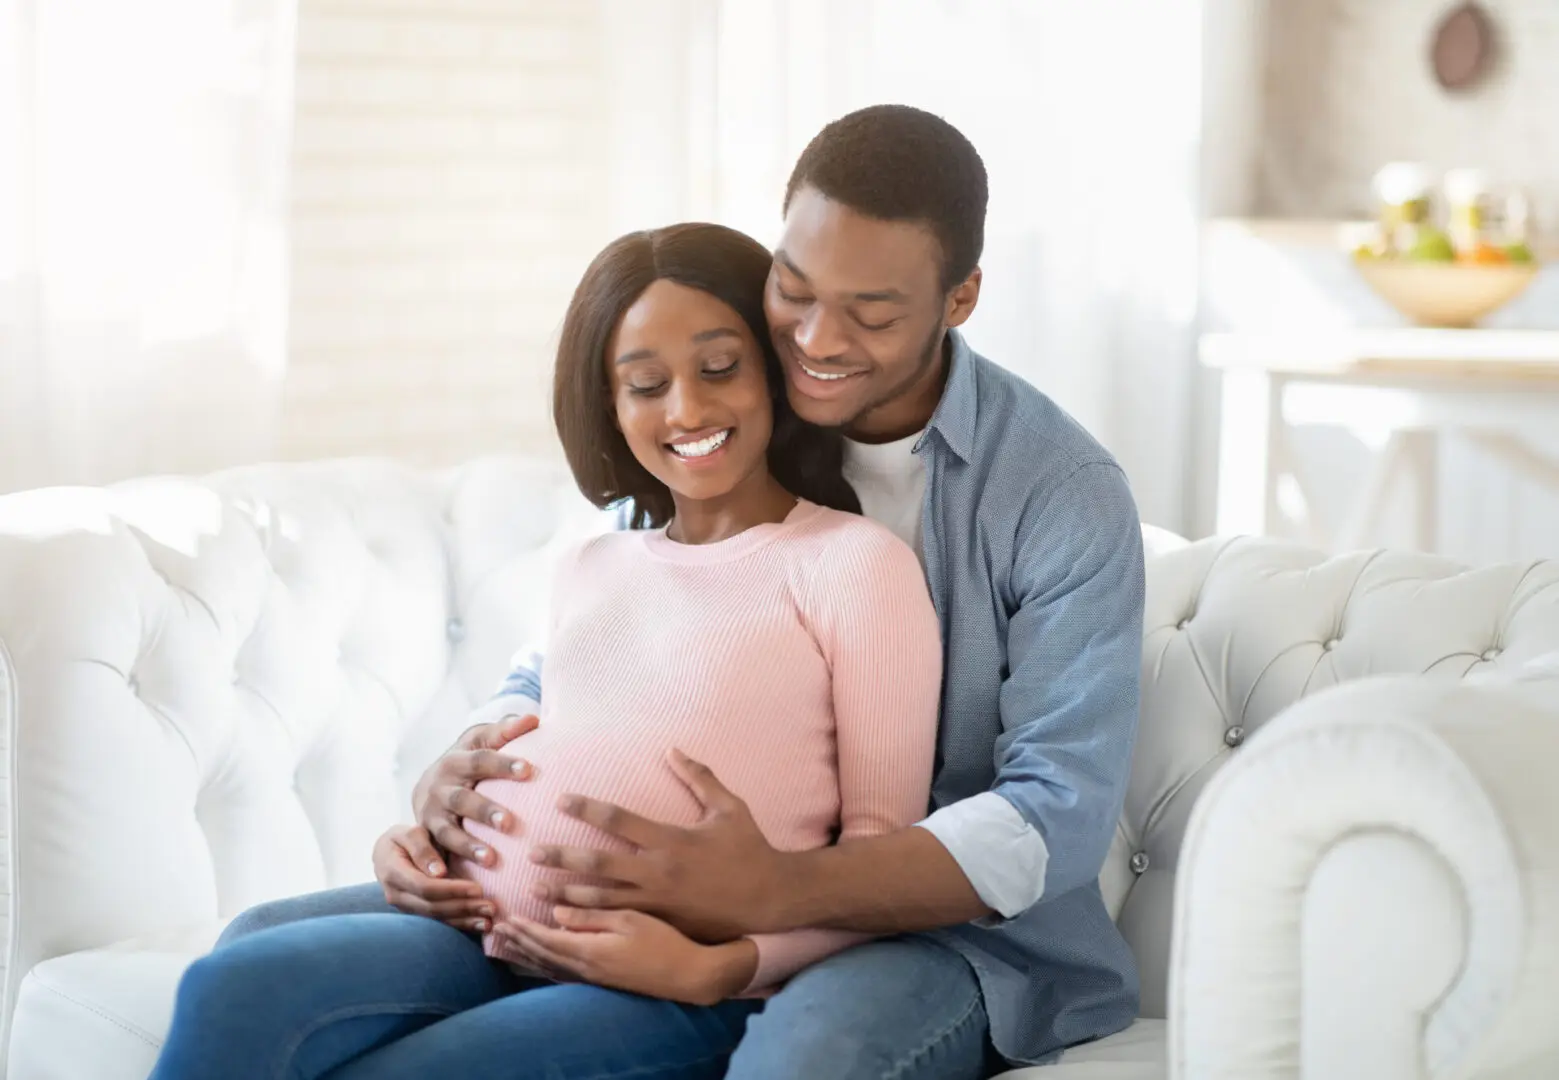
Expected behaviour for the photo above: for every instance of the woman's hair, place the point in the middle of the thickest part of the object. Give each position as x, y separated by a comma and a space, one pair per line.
734, 269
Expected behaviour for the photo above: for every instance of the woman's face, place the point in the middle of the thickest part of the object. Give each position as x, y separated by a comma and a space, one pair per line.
690, 393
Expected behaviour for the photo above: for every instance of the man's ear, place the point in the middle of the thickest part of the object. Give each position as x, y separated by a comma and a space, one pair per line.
962, 300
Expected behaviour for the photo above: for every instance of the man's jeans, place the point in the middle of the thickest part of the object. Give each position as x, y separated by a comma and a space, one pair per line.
907, 1008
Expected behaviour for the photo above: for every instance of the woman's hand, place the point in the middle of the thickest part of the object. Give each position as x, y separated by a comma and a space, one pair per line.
628, 950
446, 794
415, 879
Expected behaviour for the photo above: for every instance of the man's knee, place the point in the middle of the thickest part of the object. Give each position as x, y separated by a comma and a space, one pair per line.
904, 1008
350, 900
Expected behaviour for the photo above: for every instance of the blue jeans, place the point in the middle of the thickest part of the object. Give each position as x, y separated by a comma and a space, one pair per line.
903, 1008
381, 996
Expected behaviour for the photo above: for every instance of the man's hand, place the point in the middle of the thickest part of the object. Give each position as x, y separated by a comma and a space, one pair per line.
628, 950
714, 881
445, 793
413, 875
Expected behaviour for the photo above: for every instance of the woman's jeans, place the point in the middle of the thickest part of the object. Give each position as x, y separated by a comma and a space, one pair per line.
391, 996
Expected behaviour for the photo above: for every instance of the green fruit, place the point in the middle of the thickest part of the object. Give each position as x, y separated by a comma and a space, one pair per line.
1431, 245
1518, 253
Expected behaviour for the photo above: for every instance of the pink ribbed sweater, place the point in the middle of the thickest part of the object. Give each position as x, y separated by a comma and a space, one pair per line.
801, 661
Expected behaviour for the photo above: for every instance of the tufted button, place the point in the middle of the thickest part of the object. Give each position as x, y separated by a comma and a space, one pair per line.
133, 683
1330, 645
1490, 654
1183, 623
455, 630
1139, 863
1233, 736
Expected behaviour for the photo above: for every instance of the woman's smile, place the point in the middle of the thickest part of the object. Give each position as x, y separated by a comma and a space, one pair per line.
700, 448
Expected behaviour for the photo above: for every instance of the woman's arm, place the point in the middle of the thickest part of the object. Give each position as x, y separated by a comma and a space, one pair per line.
876, 625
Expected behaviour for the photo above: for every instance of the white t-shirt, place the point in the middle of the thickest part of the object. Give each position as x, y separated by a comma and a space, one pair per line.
891, 483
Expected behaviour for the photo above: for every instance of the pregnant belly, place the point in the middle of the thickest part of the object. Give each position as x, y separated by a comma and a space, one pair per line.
631, 775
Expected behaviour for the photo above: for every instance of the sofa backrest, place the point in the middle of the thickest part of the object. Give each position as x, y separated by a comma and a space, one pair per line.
220, 691
1238, 630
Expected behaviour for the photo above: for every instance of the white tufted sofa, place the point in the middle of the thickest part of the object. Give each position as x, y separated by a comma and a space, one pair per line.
214, 692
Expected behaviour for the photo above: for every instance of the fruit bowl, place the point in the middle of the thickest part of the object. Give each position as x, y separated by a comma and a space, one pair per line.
1445, 293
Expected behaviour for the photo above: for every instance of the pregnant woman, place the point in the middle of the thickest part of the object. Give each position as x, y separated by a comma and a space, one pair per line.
753, 623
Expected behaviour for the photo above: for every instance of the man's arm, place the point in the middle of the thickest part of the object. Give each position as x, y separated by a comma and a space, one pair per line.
1069, 717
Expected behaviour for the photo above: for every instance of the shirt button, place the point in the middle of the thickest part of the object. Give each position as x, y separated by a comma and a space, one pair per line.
1139, 863
1233, 736
455, 630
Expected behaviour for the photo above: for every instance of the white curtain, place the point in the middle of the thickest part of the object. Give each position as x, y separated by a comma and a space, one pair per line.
143, 167
1088, 117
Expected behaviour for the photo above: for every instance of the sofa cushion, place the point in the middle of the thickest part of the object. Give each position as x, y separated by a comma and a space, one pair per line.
101, 1013
1138, 1053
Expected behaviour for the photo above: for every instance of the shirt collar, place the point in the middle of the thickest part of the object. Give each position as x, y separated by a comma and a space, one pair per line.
955, 414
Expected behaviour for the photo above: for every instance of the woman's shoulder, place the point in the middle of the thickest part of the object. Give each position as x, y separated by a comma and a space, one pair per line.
839, 540
602, 549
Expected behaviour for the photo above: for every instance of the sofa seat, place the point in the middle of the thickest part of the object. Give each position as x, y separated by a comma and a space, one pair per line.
102, 1013
1138, 1053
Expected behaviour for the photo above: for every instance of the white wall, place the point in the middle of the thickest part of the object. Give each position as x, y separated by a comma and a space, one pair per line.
450, 181
1339, 87
1348, 87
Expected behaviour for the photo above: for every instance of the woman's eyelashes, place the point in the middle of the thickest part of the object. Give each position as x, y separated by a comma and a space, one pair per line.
718, 368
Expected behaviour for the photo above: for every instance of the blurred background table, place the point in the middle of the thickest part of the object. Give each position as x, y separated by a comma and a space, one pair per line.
1399, 390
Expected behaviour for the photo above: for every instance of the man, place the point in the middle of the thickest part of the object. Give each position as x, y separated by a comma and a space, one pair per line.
994, 931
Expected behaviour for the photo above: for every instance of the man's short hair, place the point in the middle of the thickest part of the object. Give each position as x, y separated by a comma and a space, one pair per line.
898, 163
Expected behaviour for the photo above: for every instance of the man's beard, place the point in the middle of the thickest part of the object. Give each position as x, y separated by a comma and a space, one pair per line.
925, 362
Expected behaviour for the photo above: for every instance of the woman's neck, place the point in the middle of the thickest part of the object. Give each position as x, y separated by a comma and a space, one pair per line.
757, 500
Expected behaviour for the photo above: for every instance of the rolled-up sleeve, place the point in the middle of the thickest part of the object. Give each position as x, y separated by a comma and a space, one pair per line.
1001, 854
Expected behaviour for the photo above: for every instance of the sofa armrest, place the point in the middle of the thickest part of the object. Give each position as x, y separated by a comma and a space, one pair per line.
1372, 889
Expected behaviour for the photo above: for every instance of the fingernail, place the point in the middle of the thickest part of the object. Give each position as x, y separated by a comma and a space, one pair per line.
481, 924
486, 909
538, 855
480, 852
569, 804
520, 768
435, 869
498, 818
541, 892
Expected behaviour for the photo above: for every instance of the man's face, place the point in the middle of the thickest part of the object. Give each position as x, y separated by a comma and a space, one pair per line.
858, 315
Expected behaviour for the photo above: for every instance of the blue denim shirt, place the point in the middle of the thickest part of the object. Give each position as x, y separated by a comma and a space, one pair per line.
1033, 553
1034, 556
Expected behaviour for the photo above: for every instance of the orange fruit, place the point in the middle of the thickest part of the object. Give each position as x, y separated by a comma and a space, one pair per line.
1484, 254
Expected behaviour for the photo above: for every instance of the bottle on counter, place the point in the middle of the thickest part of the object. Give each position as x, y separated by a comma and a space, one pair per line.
1469, 201
1404, 194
